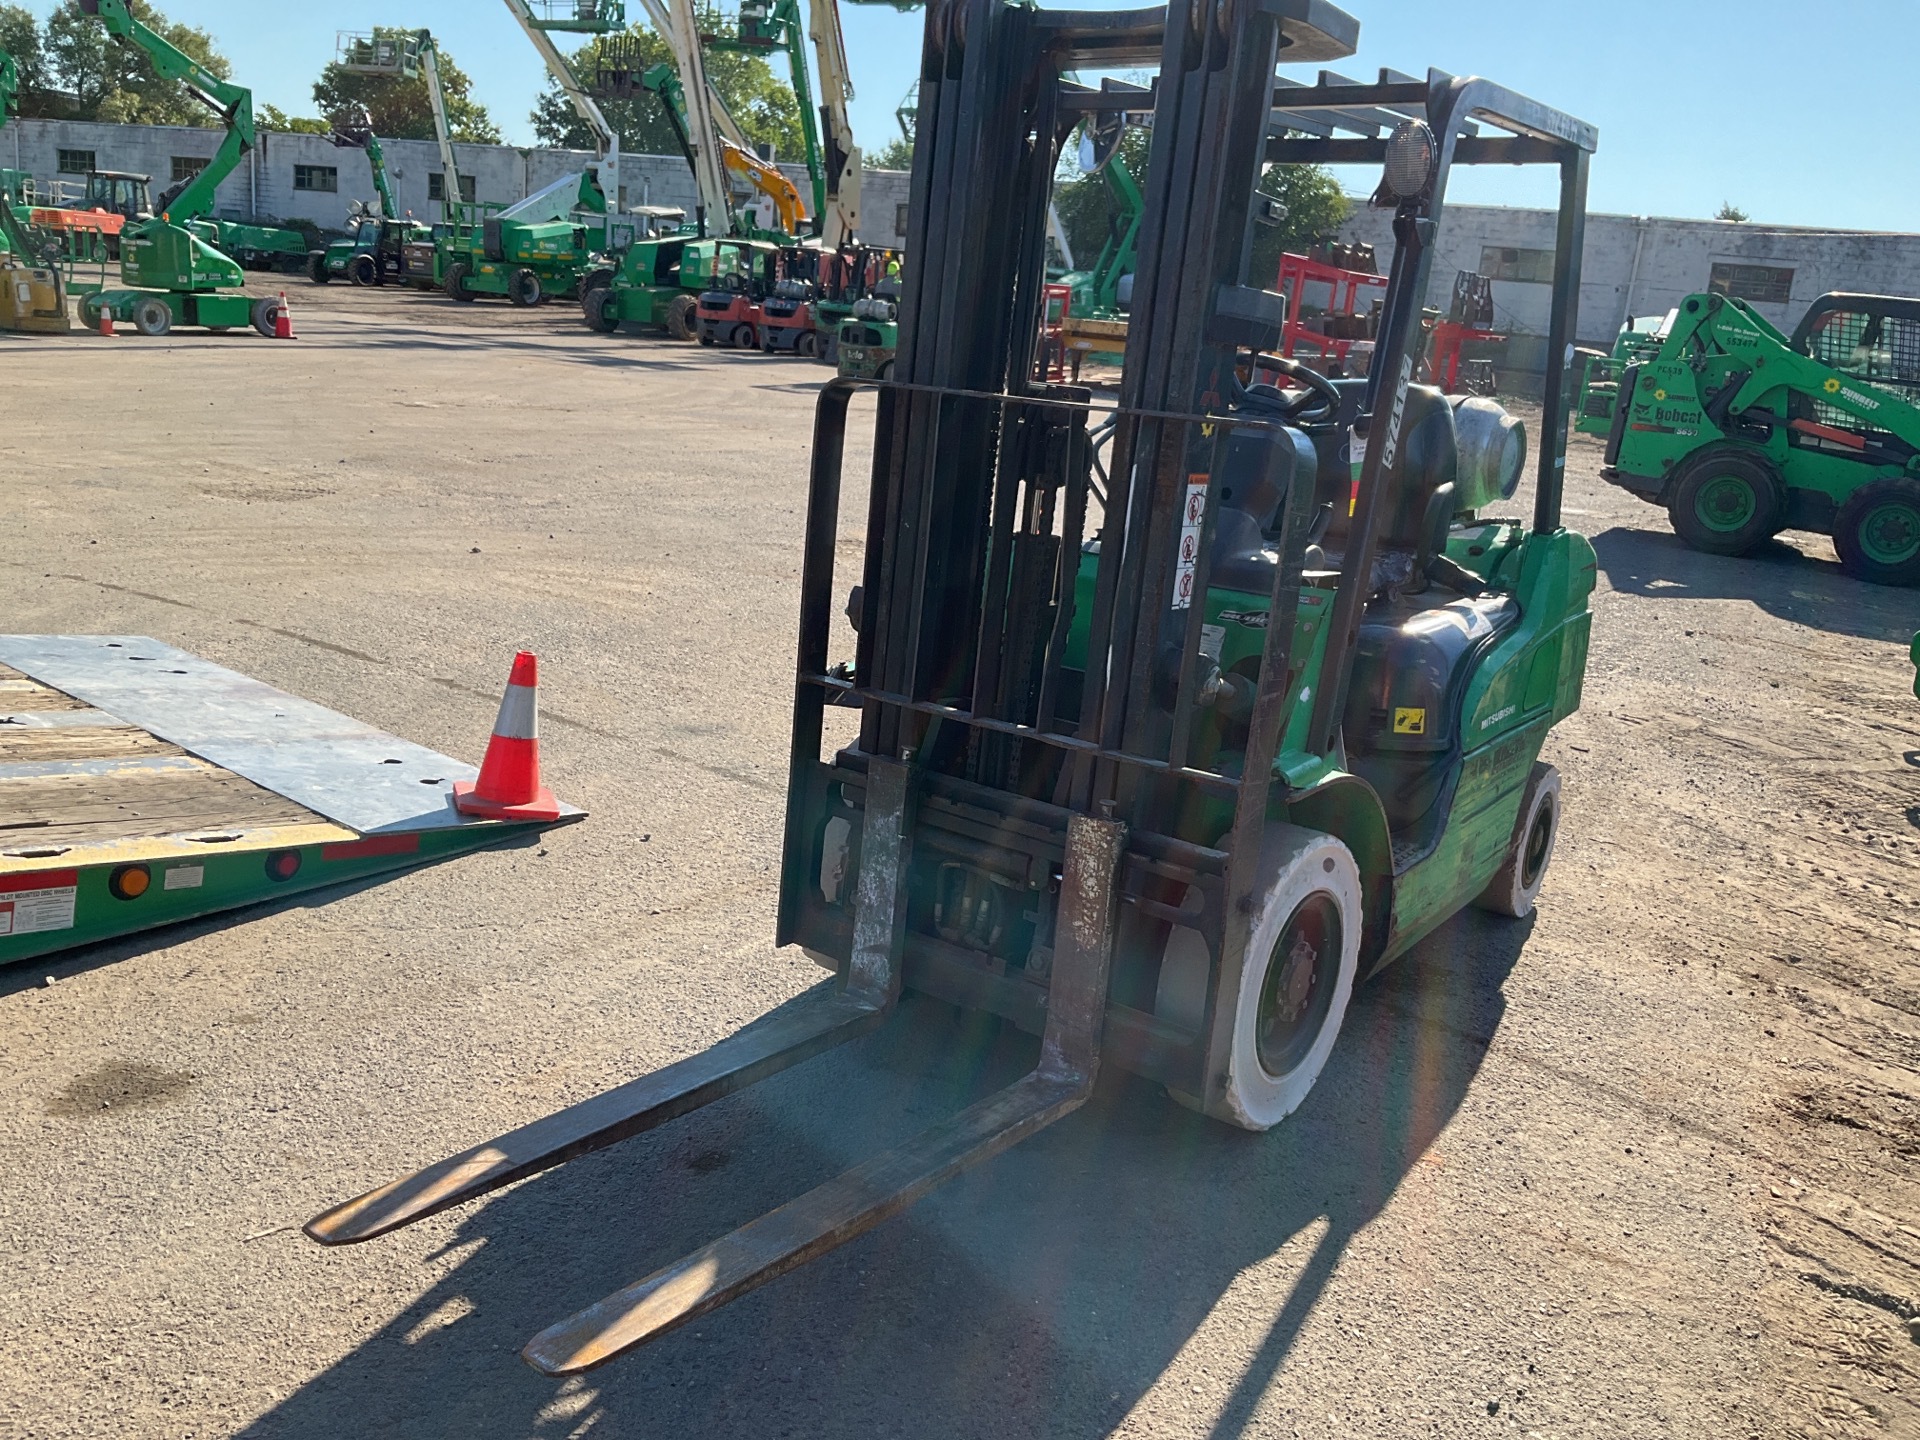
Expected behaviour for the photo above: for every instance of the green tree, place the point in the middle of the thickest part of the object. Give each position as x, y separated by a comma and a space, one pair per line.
113, 80
896, 154
20, 38
1730, 211
402, 108
272, 117
760, 101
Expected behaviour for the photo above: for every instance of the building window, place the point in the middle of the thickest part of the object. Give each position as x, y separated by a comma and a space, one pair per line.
76, 162
185, 167
1762, 284
1510, 262
900, 220
437, 187
316, 177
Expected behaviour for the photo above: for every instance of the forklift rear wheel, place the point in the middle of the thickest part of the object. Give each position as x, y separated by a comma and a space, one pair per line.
600, 312
90, 312
317, 267
744, 338
1517, 885
456, 284
1878, 532
885, 372
523, 288
1727, 501
1303, 953
680, 322
807, 345
152, 317
265, 314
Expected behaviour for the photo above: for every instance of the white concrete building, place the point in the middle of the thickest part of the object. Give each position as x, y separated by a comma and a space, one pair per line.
1645, 265
305, 177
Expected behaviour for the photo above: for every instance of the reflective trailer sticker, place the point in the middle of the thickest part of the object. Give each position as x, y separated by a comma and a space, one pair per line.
185, 877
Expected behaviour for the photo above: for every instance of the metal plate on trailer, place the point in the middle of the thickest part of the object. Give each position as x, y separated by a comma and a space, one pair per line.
334, 765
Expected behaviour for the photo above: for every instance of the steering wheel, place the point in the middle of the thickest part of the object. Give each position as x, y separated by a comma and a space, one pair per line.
735, 283
1320, 400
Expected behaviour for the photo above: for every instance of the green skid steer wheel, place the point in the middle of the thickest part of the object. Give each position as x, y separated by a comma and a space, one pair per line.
1877, 532
1726, 500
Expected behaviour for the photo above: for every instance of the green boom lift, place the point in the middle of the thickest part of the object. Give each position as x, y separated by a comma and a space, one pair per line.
173, 269
1742, 432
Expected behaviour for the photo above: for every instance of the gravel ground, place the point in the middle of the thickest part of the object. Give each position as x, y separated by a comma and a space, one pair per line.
1642, 1166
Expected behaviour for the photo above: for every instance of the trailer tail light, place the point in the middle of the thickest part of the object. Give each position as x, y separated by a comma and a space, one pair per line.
129, 882
283, 865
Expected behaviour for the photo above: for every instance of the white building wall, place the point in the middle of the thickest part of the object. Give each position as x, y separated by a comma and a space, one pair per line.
262, 186
1642, 265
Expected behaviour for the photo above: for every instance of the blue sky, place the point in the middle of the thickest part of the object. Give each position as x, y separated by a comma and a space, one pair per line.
1798, 113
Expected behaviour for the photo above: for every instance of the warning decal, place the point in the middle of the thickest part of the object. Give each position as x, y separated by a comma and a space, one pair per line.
1192, 520
1409, 720
33, 903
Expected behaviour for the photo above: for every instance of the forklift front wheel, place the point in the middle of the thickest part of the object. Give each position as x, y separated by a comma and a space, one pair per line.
1877, 532
1303, 953
1517, 885
152, 317
1727, 501
523, 288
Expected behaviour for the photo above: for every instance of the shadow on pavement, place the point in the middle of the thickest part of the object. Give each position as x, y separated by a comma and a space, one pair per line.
1041, 1295
1805, 589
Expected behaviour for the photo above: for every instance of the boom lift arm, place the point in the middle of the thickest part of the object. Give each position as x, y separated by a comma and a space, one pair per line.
233, 103
682, 33
838, 205
662, 81
606, 142
405, 54
361, 137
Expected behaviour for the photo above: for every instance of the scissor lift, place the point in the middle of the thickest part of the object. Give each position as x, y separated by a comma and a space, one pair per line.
1099, 764
141, 786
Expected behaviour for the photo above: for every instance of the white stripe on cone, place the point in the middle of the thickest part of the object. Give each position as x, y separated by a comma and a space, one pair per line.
519, 714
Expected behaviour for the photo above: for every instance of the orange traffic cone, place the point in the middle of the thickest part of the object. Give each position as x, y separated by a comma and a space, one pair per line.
283, 320
106, 321
509, 786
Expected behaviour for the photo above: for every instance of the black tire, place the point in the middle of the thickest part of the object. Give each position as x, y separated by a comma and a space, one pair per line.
1877, 532
363, 270
745, 338
152, 317
1727, 500
598, 307
265, 315
706, 340
456, 284
807, 345
885, 372
90, 308
523, 288
317, 267
681, 324
599, 279
1516, 885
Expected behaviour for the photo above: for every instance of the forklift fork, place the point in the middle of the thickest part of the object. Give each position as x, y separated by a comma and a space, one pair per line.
863, 1197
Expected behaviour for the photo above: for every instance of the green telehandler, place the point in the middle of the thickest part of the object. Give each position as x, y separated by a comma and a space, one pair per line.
172, 267
1157, 773
1741, 432
376, 247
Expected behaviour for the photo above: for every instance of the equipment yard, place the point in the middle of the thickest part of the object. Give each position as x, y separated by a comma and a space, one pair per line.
1639, 1165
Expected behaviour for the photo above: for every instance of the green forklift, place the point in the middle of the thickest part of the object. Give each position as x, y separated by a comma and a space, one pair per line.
171, 267
1740, 432
1159, 770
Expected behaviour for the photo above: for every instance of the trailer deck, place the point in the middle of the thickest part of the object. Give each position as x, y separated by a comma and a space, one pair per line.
141, 786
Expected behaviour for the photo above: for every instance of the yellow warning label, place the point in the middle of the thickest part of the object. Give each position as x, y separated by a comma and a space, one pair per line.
1409, 720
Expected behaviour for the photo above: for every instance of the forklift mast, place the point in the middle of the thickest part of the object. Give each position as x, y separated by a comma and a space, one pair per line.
194, 198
